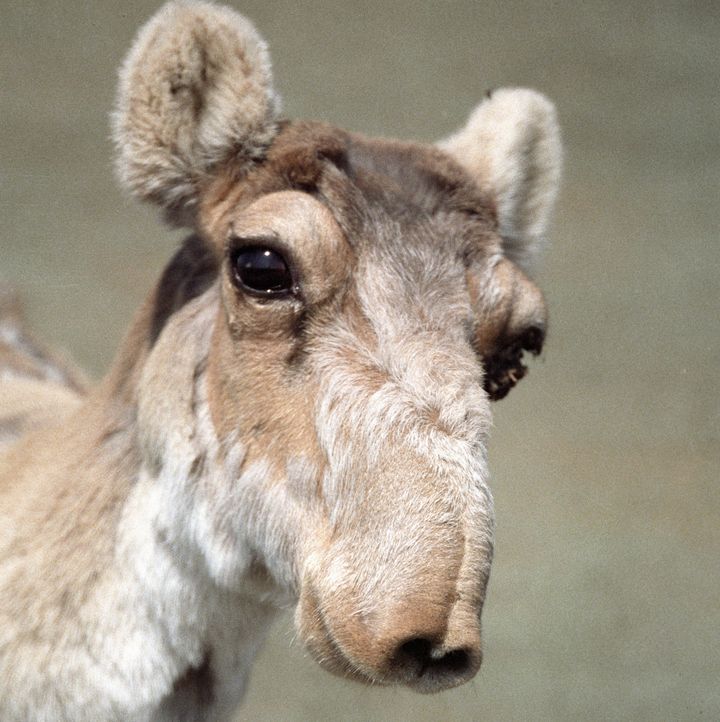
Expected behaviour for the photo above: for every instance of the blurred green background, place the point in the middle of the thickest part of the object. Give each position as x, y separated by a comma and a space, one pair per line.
604, 601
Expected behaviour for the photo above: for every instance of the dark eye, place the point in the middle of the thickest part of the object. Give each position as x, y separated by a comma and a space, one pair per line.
261, 271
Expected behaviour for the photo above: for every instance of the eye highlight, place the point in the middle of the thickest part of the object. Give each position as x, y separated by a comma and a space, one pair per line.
261, 271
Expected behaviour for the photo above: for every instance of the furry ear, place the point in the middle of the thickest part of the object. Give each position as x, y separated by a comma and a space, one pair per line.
195, 90
511, 146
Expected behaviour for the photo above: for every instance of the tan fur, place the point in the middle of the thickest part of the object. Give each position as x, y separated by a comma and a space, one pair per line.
23, 356
506, 302
37, 385
29, 404
322, 449
195, 89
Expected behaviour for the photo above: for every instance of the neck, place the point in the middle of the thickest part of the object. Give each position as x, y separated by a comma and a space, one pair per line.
199, 610
116, 577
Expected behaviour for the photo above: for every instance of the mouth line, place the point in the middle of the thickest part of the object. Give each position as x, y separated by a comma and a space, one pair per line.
346, 665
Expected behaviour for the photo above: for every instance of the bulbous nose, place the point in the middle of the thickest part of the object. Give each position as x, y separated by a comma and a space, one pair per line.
441, 653
426, 646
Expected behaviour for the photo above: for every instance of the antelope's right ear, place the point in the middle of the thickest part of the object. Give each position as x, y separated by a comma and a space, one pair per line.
511, 147
195, 90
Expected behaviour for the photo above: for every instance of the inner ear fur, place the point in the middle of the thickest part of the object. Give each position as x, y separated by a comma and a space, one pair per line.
195, 91
511, 320
511, 146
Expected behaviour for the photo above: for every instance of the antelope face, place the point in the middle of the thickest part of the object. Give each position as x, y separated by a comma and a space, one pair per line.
361, 304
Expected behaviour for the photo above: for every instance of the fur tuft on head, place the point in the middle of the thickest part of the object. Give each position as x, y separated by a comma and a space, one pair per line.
511, 146
195, 90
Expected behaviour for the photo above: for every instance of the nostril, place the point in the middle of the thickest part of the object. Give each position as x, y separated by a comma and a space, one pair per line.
419, 655
417, 650
457, 660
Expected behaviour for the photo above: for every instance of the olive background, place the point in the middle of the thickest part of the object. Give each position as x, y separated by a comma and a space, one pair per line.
604, 602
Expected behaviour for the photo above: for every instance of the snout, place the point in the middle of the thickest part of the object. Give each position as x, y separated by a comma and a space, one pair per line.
426, 647
393, 584
427, 638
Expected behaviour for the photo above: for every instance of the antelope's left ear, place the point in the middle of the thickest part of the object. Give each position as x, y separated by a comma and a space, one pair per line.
511, 146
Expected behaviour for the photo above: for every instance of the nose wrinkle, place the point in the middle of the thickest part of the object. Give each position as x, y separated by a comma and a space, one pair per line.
463, 620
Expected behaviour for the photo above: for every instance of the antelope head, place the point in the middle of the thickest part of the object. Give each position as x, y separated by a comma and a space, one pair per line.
322, 352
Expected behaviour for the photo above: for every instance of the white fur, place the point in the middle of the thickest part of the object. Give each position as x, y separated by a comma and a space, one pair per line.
511, 145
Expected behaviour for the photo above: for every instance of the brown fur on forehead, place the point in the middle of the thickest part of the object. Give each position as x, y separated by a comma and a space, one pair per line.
421, 177
295, 161
352, 174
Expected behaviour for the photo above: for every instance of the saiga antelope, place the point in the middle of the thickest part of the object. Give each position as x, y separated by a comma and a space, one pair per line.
299, 412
